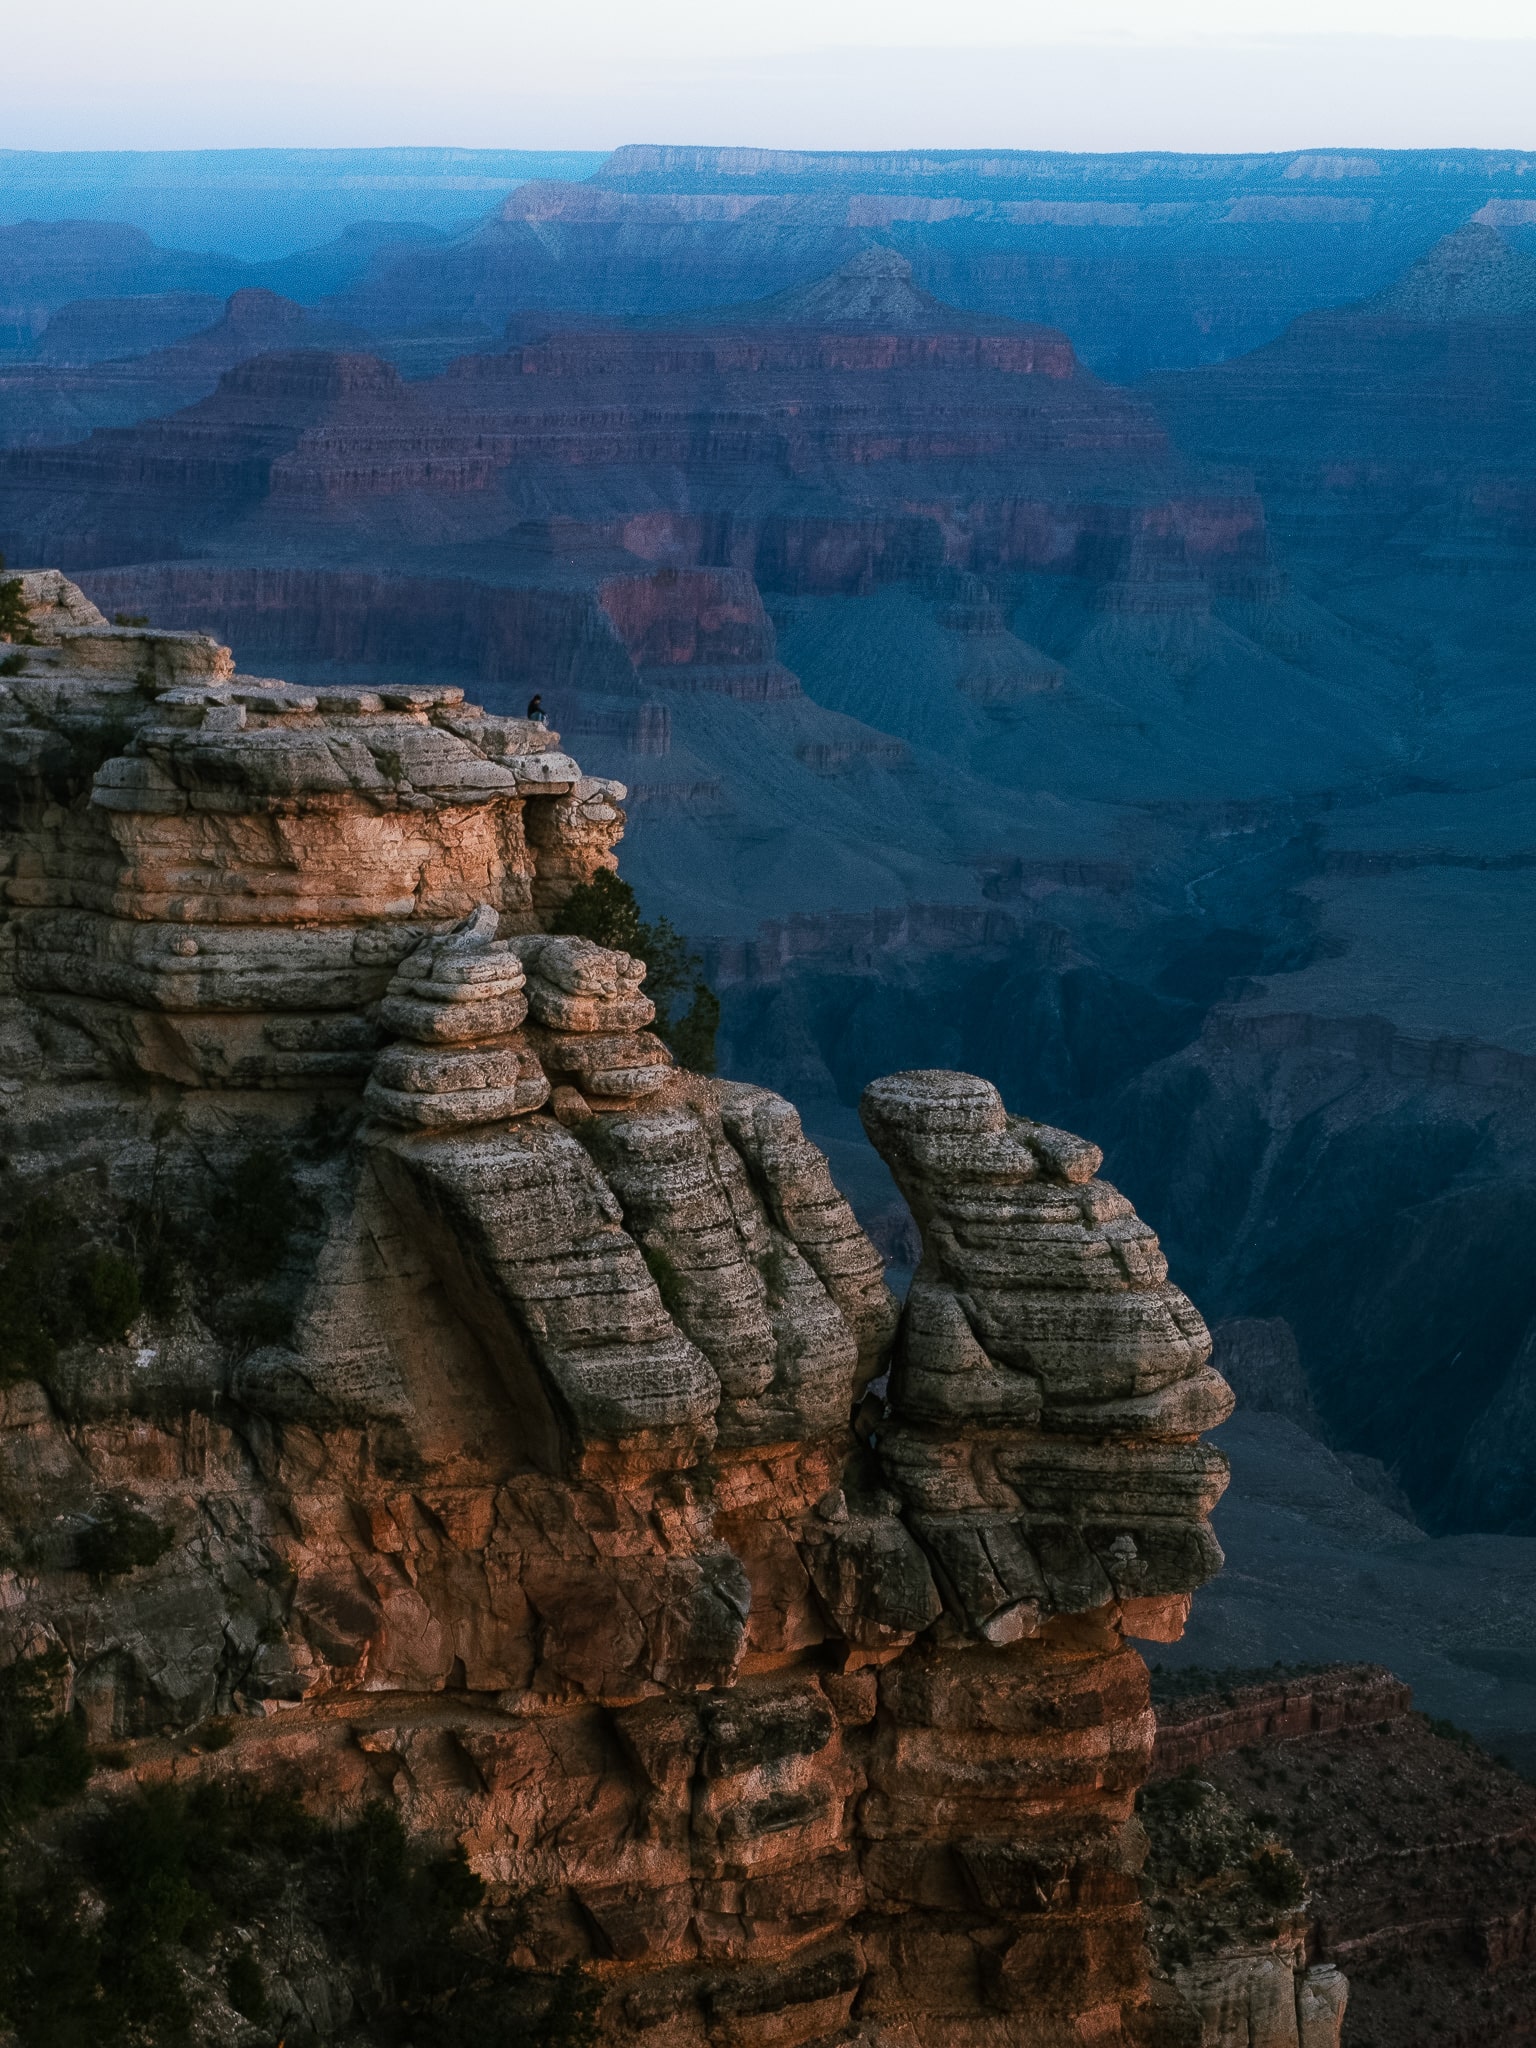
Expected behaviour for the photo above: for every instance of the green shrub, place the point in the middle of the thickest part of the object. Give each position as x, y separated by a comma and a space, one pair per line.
57, 1287
175, 1872
13, 665
109, 1296
398, 1916
607, 911
30, 1299
163, 1248
43, 1760
1276, 1876
246, 1986
1214, 1873
120, 1538
14, 623
239, 1247
604, 910
256, 1213
692, 1037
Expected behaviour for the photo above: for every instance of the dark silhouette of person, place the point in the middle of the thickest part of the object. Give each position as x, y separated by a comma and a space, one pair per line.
536, 710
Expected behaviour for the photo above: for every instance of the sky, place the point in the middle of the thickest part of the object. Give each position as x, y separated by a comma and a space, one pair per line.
589, 74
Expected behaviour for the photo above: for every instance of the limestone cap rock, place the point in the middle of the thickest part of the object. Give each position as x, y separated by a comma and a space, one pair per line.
51, 602
931, 1099
934, 1124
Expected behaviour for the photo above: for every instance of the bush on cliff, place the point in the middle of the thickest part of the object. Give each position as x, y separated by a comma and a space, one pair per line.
161, 1911
120, 1538
43, 1763
257, 1213
43, 1759
231, 1253
232, 1256
14, 623
606, 911
57, 1286
1213, 1874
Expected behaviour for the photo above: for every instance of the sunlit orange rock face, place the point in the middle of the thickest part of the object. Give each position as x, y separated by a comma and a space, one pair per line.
568, 1475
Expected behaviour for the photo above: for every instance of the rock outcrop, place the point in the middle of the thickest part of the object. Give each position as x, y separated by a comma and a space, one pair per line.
497, 1413
1277, 1708
1359, 415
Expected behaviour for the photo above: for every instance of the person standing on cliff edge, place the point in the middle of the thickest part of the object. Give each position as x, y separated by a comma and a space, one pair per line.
536, 710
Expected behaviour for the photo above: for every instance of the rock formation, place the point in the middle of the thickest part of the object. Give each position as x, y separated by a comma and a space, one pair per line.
1360, 415
1147, 261
1327, 1829
1275, 1707
808, 445
499, 1420
82, 381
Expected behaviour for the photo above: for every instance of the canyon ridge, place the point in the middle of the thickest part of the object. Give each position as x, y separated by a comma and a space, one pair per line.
425, 1398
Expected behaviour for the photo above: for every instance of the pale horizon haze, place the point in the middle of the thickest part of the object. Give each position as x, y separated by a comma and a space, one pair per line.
849, 74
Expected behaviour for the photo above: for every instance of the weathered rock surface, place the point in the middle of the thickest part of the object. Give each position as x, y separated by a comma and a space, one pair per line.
1278, 1709
502, 1419
1049, 1382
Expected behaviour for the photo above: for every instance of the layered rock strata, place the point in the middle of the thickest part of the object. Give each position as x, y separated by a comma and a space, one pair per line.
816, 453
250, 870
1281, 1708
502, 1422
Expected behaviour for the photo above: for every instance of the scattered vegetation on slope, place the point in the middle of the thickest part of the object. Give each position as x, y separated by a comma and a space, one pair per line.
231, 1257
120, 1538
74, 1271
1214, 1874
154, 1917
1223, 1684
58, 1285
1419, 1850
43, 1758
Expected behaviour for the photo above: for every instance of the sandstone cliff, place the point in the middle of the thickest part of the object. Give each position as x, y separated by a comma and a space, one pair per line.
459, 1398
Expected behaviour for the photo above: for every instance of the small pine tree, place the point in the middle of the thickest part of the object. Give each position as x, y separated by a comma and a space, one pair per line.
14, 623
693, 1035
603, 910
606, 911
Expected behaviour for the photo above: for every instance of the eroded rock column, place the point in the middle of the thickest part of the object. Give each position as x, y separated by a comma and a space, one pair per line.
1047, 1391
